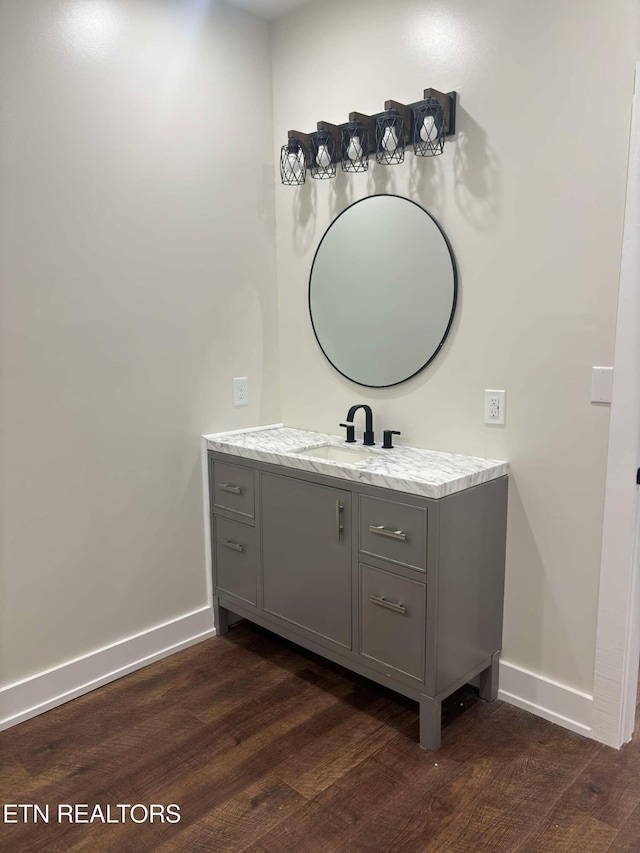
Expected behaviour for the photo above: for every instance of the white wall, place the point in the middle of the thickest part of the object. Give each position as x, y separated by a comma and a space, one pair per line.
531, 195
138, 274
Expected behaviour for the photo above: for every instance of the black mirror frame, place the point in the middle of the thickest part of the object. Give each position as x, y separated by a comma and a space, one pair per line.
453, 307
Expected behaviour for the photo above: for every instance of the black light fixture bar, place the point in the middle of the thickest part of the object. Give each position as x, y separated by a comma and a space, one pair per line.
305, 140
333, 129
405, 114
448, 103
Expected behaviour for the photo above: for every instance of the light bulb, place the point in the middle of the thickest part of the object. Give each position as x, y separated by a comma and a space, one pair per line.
429, 131
295, 166
323, 158
354, 149
390, 139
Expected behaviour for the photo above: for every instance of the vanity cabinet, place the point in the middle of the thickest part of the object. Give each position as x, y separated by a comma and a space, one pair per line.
403, 589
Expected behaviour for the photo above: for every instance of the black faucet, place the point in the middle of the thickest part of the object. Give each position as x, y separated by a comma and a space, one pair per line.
368, 428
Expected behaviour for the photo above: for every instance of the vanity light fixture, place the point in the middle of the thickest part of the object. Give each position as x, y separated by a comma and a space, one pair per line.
292, 163
390, 137
428, 128
355, 147
426, 124
323, 154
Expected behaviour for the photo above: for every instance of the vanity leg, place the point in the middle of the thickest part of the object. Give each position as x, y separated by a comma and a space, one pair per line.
489, 679
220, 617
430, 722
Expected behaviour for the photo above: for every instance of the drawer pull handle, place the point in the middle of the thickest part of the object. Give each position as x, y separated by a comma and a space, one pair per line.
381, 530
390, 605
233, 545
227, 487
339, 524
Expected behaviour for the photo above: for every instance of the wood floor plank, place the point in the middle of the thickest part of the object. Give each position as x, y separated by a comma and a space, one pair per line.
89, 764
386, 812
628, 838
537, 763
572, 833
414, 794
314, 831
322, 760
608, 789
14, 775
238, 822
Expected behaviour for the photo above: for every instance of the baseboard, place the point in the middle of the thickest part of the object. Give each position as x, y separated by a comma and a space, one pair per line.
548, 699
46, 690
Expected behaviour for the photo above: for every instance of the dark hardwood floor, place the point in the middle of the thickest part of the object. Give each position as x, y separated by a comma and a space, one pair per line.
268, 748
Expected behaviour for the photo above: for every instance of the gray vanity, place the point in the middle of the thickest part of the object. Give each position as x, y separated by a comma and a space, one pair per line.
389, 562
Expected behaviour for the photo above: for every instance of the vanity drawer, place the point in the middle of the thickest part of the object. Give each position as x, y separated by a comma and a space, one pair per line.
392, 621
233, 488
394, 531
236, 559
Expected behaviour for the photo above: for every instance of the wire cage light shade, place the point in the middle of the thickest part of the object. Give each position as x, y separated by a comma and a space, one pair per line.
323, 155
389, 138
428, 128
355, 147
292, 165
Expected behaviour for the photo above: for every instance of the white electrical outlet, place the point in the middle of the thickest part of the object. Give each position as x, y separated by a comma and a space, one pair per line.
494, 407
240, 391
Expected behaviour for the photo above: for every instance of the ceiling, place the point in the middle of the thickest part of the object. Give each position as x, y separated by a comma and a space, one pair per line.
268, 9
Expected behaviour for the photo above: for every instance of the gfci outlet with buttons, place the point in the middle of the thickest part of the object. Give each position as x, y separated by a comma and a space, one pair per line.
494, 407
240, 391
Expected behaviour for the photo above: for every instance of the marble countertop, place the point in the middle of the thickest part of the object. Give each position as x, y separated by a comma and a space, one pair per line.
406, 469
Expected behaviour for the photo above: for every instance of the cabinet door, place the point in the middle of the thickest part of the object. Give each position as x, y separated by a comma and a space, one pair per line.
306, 555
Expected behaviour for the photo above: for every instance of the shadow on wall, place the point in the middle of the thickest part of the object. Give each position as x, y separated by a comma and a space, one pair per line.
427, 183
304, 217
476, 171
381, 179
342, 195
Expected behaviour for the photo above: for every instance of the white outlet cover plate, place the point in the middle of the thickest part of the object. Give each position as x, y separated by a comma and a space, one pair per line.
240, 391
601, 384
493, 414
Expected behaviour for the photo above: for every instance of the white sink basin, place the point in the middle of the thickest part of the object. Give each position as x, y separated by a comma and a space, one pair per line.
336, 453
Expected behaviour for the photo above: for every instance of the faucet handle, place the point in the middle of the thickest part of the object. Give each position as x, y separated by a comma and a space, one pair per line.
351, 433
388, 441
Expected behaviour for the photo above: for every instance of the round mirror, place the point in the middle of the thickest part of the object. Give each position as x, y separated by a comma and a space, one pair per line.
382, 290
